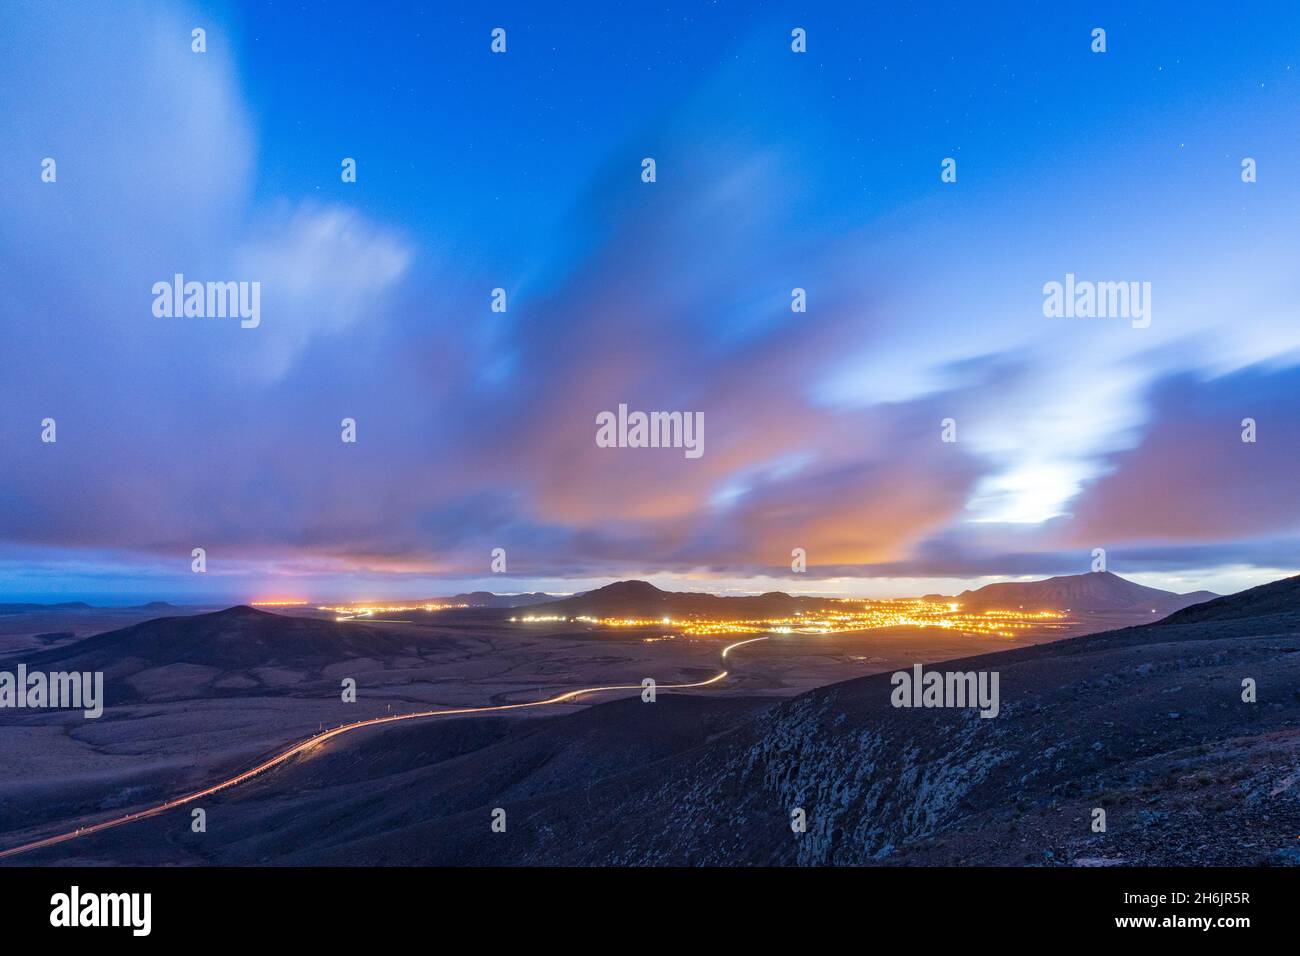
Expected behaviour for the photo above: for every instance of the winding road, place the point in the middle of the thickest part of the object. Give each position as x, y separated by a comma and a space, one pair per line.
319, 738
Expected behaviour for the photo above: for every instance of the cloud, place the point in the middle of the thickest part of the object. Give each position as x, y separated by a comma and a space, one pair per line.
322, 271
1192, 478
476, 429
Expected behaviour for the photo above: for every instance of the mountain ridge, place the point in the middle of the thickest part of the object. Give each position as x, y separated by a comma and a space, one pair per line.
641, 599
493, 600
1090, 591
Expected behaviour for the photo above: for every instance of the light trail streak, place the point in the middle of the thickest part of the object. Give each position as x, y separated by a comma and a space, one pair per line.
320, 738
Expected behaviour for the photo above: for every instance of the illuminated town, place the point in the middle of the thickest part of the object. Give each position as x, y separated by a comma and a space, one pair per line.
848, 615
853, 615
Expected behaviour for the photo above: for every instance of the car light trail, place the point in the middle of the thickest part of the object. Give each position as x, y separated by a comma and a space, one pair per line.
320, 738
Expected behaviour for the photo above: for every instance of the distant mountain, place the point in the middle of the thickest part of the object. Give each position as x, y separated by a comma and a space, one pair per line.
1093, 591
641, 599
65, 606
488, 599
83, 606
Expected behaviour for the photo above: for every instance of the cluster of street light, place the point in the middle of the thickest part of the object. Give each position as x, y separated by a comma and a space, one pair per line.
348, 612
845, 615
861, 615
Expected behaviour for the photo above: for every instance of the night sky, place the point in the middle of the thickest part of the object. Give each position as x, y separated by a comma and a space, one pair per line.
522, 171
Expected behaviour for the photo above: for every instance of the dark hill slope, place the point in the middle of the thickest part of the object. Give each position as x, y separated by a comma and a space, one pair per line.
1268, 600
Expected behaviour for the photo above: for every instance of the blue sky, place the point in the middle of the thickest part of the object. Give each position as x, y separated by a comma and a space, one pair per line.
522, 171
